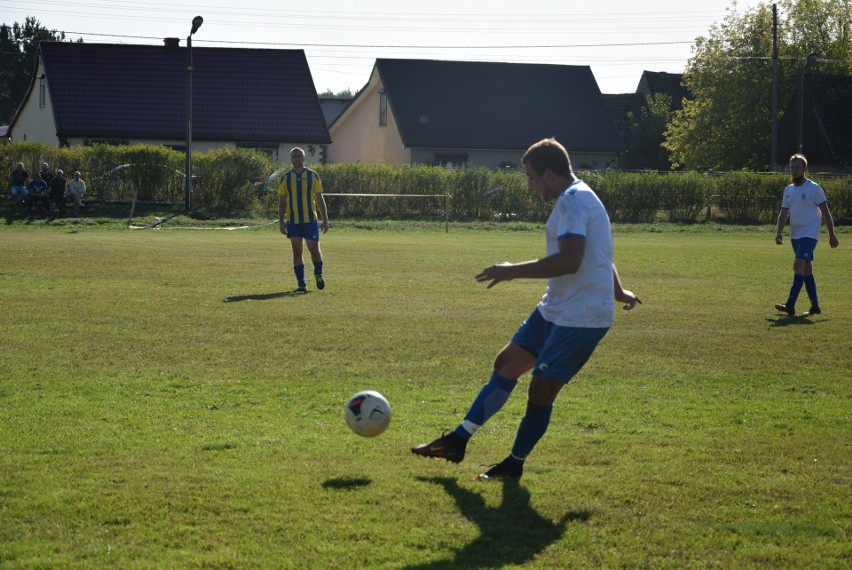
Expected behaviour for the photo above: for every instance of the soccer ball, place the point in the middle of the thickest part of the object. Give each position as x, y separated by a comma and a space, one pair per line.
368, 413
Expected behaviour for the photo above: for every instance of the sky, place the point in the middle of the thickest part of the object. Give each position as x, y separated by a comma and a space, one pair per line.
618, 39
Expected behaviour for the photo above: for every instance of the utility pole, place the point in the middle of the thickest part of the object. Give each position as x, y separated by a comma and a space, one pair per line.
773, 152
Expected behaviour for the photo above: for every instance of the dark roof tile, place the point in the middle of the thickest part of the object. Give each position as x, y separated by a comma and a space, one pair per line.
495, 106
135, 91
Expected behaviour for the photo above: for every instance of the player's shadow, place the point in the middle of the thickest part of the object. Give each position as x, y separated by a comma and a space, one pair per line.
262, 296
786, 321
510, 534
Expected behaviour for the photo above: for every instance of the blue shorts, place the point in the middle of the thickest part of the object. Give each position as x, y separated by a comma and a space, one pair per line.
309, 230
560, 351
804, 248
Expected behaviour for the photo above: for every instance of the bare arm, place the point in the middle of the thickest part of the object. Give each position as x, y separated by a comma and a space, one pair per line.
829, 223
323, 212
565, 261
783, 215
282, 214
622, 295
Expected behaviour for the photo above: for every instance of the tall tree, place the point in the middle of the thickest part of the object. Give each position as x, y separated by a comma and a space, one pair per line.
727, 123
18, 56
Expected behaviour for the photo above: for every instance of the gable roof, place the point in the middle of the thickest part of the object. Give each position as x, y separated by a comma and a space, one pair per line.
653, 82
496, 106
121, 91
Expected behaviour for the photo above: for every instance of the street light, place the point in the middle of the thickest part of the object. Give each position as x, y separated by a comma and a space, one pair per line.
811, 58
196, 23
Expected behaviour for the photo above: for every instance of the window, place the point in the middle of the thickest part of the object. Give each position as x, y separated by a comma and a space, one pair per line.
42, 92
383, 109
111, 142
452, 160
270, 150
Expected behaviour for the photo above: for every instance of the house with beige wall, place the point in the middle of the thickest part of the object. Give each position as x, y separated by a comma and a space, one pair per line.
458, 114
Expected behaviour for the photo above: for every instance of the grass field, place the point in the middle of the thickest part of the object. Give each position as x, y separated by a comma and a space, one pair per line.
166, 401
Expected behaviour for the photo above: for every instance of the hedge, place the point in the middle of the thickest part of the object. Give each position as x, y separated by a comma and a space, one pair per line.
240, 179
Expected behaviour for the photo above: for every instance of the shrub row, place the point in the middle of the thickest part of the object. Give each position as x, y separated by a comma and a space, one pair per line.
233, 179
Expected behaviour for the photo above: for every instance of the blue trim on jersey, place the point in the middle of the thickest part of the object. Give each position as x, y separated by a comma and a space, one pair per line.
569, 234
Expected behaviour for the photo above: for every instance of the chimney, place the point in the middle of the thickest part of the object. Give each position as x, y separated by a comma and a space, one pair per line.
171, 43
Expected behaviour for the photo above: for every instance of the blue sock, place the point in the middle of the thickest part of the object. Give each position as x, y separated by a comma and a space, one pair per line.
798, 281
488, 402
299, 270
810, 287
318, 268
532, 427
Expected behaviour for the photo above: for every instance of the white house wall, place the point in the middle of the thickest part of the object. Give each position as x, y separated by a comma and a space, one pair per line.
502, 158
35, 123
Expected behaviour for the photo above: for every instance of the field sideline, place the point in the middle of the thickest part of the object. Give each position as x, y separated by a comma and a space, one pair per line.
167, 401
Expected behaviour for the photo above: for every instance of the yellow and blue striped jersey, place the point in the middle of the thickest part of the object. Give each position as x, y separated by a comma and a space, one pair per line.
297, 189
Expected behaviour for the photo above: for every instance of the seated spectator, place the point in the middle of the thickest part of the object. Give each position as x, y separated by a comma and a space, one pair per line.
38, 193
46, 174
76, 188
18, 184
57, 191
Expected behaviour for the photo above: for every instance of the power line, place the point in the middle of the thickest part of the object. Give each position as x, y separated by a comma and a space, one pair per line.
373, 46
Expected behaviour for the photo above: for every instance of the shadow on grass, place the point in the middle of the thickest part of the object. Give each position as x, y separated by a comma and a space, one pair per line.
346, 483
512, 533
263, 296
785, 321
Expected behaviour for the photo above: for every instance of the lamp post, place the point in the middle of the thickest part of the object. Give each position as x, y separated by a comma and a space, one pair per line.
196, 23
811, 58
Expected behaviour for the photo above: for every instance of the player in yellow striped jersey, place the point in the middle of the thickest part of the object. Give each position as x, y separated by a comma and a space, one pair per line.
300, 200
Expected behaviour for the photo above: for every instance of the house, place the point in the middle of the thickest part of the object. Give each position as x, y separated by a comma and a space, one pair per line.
137, 94
826, 123
459, 113
623, 106
332, 107
671, 84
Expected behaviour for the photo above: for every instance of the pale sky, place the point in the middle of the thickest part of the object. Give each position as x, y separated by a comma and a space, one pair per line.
342, 38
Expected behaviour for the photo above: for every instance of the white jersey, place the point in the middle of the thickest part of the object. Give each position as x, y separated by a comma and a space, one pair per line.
803, 202
583, 299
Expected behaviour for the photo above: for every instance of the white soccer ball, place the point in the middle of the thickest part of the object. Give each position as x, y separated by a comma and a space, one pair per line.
368, 413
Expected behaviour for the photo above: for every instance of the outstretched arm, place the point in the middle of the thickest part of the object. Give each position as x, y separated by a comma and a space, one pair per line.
565, 261
622, 295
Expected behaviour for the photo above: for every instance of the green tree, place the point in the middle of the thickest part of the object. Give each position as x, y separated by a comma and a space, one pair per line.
18, 56
727, 123
645, 138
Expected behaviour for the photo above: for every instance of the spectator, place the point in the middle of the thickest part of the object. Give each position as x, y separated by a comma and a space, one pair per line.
38, 193
46, 174
76, 188
18, 184
57, 191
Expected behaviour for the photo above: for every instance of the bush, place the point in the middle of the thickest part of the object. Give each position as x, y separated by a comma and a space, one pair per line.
749, 196
236, 179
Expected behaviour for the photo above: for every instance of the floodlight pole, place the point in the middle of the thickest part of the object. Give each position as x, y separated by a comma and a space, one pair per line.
811, 58
196, 23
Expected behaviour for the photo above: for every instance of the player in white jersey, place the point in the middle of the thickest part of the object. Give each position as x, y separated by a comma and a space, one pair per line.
806, 207
574, 314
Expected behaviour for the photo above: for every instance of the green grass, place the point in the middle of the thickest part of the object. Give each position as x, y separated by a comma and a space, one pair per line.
166, 401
